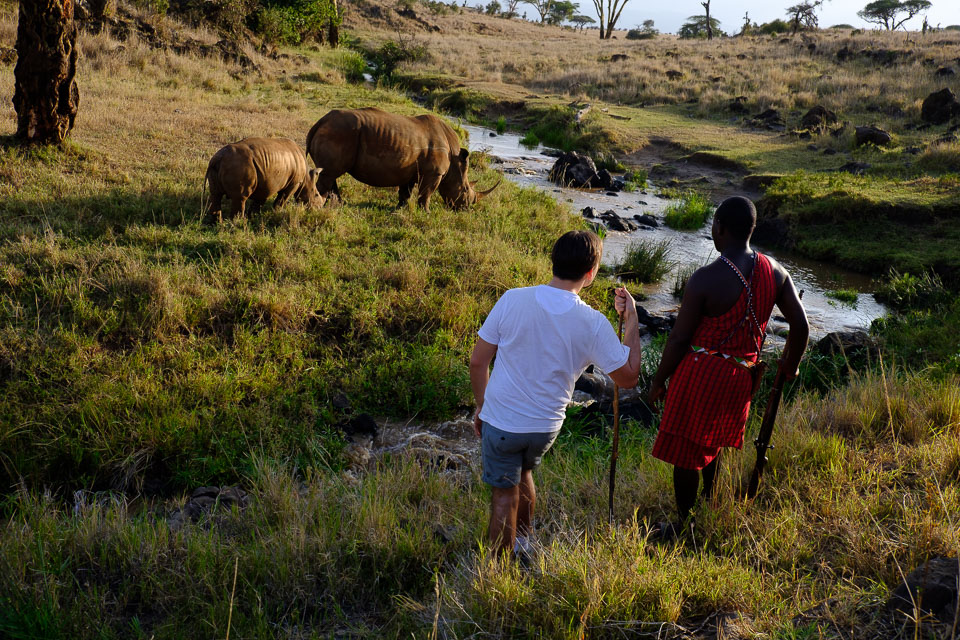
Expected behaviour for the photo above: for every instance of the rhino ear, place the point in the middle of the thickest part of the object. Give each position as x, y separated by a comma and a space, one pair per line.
315, 175
464, 154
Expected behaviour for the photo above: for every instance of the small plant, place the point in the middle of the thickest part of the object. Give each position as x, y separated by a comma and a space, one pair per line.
530, 140
690, 213
906, 291
635, 180
645, 261
680, 279
846, 296
501, 125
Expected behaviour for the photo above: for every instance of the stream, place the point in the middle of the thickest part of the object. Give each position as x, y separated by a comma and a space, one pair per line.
529, 167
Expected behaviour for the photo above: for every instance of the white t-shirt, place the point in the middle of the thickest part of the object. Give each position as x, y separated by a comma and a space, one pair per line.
546, 337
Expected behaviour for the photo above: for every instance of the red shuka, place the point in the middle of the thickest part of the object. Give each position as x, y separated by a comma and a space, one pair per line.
708, 398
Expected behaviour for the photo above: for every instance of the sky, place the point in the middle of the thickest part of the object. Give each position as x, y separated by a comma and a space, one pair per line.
668, 16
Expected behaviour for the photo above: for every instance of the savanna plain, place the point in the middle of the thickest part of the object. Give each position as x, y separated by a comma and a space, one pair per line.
146, 352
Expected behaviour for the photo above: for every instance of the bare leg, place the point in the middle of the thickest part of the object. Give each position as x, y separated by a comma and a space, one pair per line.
503, 519
528, 500
709, 474
685, 485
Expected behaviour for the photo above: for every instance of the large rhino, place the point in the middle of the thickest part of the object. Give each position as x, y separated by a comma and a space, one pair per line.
255, 169
389, 150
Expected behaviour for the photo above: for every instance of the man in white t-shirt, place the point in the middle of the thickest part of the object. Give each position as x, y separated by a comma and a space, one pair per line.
543, 337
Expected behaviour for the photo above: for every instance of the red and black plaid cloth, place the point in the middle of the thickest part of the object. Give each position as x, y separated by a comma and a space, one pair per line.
708, 398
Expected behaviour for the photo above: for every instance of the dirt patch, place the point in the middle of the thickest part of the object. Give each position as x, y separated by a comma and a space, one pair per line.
670, 164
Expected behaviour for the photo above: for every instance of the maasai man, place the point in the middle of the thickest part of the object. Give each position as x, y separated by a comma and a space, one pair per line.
711, 353
543, 338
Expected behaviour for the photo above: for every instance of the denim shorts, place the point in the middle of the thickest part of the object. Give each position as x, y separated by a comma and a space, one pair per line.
506, 455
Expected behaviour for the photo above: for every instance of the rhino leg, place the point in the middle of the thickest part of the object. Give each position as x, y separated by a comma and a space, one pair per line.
405, 191
283, 195
428, 184
215, 206
238, 206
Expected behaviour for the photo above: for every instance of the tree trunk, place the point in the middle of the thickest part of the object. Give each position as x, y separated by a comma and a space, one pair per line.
101, 8
706, 6
334, 32
45, 96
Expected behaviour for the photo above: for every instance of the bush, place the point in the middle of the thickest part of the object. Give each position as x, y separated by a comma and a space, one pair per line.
641, 34
846, 296
645, 261
690, 213
906, 291
388, 56
293, 21
501, 125
774, 27
635, 180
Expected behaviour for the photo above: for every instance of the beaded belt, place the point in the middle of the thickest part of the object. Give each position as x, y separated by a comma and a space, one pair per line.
746, 364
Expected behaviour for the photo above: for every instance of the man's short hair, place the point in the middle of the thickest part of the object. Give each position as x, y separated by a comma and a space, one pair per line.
575, 253
738, 216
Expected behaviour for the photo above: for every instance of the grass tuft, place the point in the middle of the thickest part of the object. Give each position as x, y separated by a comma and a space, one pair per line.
691, 213
644, 261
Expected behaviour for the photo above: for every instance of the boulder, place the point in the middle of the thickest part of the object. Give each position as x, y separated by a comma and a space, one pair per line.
619, 57
856, 168
769, 119
359, 425
849, 343
939, 107
574, 169
872, 135
655, 324
738, 104
588, 212
207, 500
945, 72
818, 117
646, 219
616, 223
674, 74
933, 587
604, 180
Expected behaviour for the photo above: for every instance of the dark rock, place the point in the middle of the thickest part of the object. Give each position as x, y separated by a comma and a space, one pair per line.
647, 220
939, 107
769, 119
655, 324
492, 134
758, 181
839, 130
588, 212
714, 161
933, 587
362, 424
716, 79
205, 500
829, 152
844, 54
617, 185
856, 168
341, 402
804, 135
574, 169
620, 224
738, 104
849, 343
947, 137
551, 153
674, 74
812, 147
604, 180
593, 383
619, 57
945, 72
872, 135
8, 55
612, 193
818, 118
913, 150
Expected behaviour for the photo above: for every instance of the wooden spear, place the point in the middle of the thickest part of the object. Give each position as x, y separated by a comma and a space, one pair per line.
616, 430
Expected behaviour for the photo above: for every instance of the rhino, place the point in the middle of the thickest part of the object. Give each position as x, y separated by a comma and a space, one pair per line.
255, 169
384, 149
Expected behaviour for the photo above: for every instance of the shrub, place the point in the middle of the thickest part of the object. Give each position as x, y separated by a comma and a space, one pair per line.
774, 27
906, 291
530, 139
634, 180
501, 125
388, 56
690, 213
293, 21
645, 261
846, 296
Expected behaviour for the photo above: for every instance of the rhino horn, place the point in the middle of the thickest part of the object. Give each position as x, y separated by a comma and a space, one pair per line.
481, 194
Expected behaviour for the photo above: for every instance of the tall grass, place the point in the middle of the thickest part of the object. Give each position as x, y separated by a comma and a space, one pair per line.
690, 213
644, 261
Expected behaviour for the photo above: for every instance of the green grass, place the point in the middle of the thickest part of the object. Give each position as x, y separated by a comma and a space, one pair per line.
690, 213
846, 296
644, 261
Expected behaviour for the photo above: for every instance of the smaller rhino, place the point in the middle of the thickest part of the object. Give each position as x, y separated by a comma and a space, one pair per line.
255, 169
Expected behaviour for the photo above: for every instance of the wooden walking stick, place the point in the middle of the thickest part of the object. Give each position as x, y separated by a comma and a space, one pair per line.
762, 443
616, 430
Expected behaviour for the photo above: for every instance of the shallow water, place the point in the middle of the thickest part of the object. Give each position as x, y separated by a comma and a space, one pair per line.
529, 167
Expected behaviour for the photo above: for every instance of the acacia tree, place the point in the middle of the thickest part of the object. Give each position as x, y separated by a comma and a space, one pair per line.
609, 13
885, 12
542, 7
696, 27
561, 11
511, 8
45, 94
581, 21
804, 15
706, 7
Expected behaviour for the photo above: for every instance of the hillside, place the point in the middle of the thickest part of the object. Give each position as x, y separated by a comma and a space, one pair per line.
257, 428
